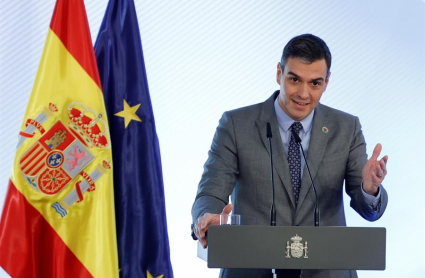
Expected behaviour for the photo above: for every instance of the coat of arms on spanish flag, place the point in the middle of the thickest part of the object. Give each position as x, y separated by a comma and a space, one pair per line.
59, 219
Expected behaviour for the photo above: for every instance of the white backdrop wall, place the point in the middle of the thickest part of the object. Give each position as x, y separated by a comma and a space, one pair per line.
206, 57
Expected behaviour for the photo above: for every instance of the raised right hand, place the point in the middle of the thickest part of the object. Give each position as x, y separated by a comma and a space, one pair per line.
207, 219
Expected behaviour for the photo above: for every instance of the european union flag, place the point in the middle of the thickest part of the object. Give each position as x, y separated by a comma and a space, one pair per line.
143, 246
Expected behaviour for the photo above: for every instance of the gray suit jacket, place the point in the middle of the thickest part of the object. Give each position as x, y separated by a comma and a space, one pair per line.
239, 165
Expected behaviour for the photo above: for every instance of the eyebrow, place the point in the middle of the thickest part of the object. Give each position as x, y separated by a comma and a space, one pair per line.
315, 79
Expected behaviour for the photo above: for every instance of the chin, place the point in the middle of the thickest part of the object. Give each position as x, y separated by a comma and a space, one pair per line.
299, 117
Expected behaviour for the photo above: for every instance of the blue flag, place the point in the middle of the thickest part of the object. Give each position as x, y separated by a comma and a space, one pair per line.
143, 247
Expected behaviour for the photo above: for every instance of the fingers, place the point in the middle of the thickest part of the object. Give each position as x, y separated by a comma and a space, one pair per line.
201, 229
375, 179
381, 167
201, 226
380, 170
385, 159
378, 167
200, 234
203, 241
376, 152
383, 164
198, 227
377, 172
227, 209
374, 171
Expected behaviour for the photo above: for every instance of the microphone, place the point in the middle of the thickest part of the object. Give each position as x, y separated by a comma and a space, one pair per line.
273, 208
316, 207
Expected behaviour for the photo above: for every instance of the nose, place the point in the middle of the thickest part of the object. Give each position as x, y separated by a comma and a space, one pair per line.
303, 91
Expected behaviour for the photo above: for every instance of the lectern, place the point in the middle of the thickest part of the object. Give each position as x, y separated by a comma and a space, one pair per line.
281, 247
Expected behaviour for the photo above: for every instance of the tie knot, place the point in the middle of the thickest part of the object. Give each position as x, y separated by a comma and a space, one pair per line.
296, 126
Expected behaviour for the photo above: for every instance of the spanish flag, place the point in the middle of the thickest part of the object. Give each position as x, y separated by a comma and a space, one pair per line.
58, 219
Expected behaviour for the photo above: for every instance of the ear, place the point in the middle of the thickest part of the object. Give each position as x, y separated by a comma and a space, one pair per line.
327, 81
278, 73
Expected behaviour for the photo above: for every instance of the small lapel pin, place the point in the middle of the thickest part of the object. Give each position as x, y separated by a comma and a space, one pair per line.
325, 129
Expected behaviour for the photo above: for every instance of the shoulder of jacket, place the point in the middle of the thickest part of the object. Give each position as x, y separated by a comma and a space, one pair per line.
247, 112
337, 114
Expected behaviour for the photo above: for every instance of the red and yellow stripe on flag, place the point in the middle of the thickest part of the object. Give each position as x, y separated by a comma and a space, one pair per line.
59, 219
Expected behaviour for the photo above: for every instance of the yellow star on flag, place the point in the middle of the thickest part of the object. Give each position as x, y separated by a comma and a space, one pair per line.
129, 113
150, 275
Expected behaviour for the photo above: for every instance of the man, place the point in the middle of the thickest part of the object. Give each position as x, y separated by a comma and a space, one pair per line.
238, 162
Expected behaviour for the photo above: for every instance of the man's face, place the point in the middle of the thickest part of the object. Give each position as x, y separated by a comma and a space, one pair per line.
301, 86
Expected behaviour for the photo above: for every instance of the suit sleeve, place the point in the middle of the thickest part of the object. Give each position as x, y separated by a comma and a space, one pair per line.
353, 178
220, 171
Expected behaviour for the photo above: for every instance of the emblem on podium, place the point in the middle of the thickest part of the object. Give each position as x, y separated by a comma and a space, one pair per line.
296, 249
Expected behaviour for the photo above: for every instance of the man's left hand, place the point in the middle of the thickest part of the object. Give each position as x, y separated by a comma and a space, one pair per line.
374, 171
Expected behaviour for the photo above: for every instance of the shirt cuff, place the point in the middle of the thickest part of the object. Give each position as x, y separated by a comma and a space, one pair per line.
372, 200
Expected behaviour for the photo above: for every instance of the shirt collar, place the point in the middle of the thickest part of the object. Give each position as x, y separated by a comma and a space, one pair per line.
285, 121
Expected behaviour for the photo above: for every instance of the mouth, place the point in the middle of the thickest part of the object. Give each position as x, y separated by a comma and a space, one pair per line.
301, 103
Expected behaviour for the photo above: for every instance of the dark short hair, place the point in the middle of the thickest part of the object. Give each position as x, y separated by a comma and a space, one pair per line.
308, 48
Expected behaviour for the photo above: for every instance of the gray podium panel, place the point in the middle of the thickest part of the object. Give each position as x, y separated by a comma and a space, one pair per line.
266, 247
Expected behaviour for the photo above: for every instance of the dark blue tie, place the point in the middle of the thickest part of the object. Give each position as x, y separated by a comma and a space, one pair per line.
294, 161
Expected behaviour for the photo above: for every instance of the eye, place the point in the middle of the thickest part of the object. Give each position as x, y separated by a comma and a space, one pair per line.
294, 79
316, 83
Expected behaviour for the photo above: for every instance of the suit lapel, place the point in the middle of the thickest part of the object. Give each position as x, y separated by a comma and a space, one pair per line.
280, 161
316, 150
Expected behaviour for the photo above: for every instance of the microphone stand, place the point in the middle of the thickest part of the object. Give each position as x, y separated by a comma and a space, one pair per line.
277, 272
273, 208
